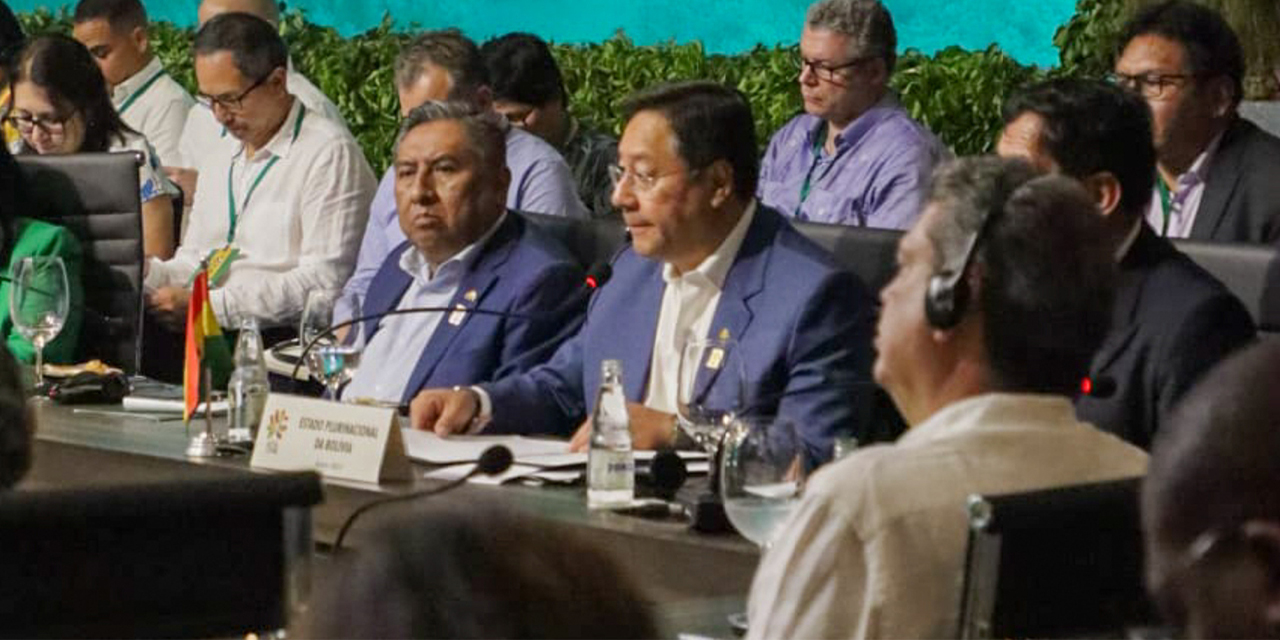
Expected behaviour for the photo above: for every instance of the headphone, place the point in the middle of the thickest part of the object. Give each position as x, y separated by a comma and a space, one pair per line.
948, 295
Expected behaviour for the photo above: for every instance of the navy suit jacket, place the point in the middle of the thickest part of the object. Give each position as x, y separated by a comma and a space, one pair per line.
802, 323
1171, 323
1241, 201
519, 270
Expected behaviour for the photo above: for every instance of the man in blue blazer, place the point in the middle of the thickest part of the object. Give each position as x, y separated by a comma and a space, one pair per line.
465, 252
705, 260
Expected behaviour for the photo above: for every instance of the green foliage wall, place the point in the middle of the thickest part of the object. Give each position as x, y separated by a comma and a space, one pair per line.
956, 93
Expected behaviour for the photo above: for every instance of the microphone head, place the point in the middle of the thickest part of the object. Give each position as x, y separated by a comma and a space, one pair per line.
1098, 387
598, 274
494, 460
668, 473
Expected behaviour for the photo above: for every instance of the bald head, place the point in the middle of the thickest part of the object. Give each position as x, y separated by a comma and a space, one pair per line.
265, 9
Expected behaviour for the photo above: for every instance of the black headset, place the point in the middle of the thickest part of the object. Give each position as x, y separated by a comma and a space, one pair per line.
948, 293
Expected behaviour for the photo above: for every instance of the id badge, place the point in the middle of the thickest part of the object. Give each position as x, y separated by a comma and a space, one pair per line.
219, 264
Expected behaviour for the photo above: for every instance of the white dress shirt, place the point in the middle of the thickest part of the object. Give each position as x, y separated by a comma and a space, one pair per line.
391, 356
1184, 200
876, 547
689, 304
155, 105
152, 182
202, 134
297, 231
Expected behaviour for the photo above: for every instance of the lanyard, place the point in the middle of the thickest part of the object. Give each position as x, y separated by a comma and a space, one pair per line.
1166, 204
231, 192
818, 140
138, 94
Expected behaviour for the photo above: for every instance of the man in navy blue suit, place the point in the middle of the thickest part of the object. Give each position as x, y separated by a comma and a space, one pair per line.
464, 251
705, 260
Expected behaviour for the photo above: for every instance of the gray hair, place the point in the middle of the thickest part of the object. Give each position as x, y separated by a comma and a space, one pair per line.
486, 133
866, 22
449, 50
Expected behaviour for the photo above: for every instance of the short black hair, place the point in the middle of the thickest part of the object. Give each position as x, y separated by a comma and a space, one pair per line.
1048, 277
120, 14
448, 49
1092, 126
711, 121
1212, 47
66, 70
254, 44
522, 69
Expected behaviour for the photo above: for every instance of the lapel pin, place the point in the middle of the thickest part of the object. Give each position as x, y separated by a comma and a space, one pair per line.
470, 295
724, 334
715, 358
458, 315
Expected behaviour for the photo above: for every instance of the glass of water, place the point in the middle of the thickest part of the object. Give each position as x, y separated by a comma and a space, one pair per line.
710, 389
762, 472
334, 355
39, 300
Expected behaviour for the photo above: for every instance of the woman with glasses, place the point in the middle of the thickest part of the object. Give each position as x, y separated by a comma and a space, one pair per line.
61, 105
22, 236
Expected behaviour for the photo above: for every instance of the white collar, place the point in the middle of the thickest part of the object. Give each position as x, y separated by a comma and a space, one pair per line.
414, 263
989, 411
715, 267
283, 140
133, 83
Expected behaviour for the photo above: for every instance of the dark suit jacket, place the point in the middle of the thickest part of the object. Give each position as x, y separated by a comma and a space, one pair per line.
1241, 201
1172, 321
519, 270
802, 323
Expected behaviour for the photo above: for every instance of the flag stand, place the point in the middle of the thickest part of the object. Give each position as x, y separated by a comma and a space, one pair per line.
205, 444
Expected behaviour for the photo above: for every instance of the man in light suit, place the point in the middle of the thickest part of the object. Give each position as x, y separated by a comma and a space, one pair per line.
1172, 321
464, 251
705, 260
1217, 171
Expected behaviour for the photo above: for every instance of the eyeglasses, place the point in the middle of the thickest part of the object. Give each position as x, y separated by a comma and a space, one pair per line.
1205, 545
1150, 85
231, 103
641, 182
27, 123
829, 72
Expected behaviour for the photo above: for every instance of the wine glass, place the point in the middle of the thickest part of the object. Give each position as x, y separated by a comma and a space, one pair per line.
710, 389
39, 301
335, 353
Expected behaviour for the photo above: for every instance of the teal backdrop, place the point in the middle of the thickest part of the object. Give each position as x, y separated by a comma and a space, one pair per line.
1022, 28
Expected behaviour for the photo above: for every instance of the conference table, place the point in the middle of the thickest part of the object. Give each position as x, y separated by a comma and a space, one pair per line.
691, 580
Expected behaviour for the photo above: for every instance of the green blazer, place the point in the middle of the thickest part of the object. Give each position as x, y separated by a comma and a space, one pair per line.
36, 238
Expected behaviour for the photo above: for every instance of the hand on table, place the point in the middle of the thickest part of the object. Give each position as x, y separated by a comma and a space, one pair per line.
169, 305
444, 411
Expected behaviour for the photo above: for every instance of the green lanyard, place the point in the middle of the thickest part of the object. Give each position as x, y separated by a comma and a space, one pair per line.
138, 94
231, 192
818, 141
1166, 203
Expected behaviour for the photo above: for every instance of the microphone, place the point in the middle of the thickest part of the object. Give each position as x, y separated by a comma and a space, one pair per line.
493, 461
666, 474
1100, 387
597, 275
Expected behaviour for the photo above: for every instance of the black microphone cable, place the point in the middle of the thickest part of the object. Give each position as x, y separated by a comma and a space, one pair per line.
493, 461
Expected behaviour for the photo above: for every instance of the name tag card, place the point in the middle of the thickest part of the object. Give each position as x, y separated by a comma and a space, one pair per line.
347, 441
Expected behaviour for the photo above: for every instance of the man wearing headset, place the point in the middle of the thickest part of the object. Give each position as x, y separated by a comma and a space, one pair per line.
1002, 293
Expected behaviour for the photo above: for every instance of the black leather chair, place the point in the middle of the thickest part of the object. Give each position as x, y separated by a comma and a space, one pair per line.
868, 253
207, 554
1062, 562
591, 241
95, 195
1250, 271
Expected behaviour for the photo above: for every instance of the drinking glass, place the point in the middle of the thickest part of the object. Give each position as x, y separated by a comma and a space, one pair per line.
334, 354
763, 467
39, 300
710, 389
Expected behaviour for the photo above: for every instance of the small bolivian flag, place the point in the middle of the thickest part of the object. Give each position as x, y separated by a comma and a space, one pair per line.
206, 348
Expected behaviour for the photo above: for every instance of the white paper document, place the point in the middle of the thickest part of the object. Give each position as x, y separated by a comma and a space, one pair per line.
158, 405
425, 446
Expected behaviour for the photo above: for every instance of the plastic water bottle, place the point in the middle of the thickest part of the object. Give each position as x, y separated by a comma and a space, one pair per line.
248, 387
611, 466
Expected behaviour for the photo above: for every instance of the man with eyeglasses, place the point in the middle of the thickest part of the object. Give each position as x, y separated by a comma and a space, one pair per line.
281, 212
1216, 171
706, 262
1210, 508
146, 97
855, 157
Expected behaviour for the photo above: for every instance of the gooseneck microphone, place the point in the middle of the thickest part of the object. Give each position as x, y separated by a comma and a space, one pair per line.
597, 275
493, 461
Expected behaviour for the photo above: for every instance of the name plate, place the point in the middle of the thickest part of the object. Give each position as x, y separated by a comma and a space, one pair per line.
347, 441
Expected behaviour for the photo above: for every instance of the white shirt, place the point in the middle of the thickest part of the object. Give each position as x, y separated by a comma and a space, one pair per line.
391, 356
155, 105
689, 304
298, 231
152, 182
1184, 201
202, 135
876, 547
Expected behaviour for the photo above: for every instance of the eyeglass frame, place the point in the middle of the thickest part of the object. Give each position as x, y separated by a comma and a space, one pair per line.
26, 125
233, 104
641, 183
828, 72
1142, 83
